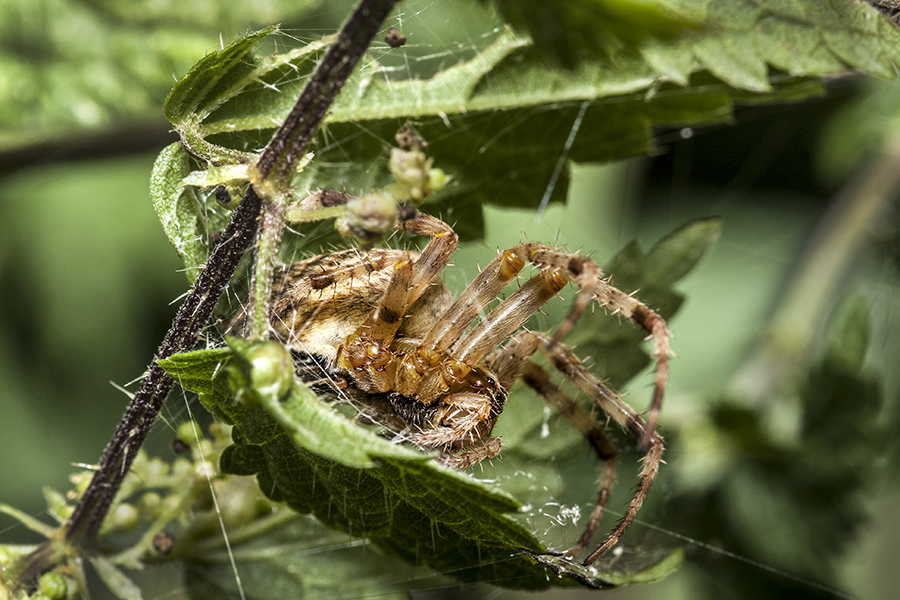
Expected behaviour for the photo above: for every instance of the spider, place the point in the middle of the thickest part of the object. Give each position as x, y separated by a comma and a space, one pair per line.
379, 326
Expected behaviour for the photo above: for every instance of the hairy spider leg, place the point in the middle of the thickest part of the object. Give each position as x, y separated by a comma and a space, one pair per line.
655, 325
556, 269
367, 351
568, 363
513, 362
507, 317
494, 278
410, 279
477, 295
587, 275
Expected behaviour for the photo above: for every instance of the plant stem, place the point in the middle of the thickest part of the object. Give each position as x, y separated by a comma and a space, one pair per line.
141, 413
276, 167
280, 159
271, 230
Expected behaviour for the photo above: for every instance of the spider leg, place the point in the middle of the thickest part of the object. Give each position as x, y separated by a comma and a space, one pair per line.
629, 306
515, 361
535, 377
507, 317
491, 281
557, 268
410, 279
477, 295
585, 273
465, 436
366, 352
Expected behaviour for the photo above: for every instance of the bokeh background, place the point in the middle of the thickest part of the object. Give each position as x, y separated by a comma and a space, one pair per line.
89, 284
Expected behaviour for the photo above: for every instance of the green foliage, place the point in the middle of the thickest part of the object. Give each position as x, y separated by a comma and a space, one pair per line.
69, 65
499, 123
796, 503
568, 32
302, 451
616, 350
508, 100
304, 559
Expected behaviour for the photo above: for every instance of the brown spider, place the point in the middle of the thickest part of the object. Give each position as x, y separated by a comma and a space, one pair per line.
378, 326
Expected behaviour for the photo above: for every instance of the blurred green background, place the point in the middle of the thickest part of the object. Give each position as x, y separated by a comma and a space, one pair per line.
89, 284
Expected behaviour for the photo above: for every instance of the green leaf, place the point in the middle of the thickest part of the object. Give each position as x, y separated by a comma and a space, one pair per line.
305, 559
28, 521
499, 121
616, 347
568, 31
212, 80
308, 455
202, 372
676, 254
188, 216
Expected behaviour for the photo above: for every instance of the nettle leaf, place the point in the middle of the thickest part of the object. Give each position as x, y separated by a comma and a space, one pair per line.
567, 32
499, 122
308, 455
189, 216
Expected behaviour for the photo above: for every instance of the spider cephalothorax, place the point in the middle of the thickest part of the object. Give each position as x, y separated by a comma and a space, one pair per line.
378, 326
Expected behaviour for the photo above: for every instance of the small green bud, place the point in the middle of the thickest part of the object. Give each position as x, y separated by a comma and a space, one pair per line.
53, 585
369, 217
220, 432
271, 370
148, 505
437, 179
156, 469
125, 517
188, 432
181, 467
411, 169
